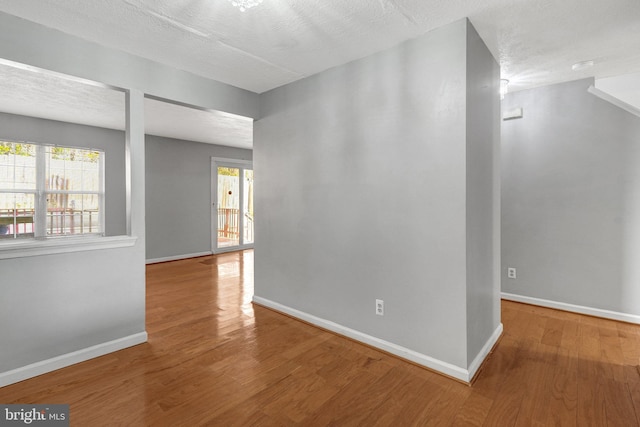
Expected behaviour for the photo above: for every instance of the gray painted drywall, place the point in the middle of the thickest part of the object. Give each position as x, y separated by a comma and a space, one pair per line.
483, 194
21, 128
362, 194
571, 199
56, 304
33, 44
178, 200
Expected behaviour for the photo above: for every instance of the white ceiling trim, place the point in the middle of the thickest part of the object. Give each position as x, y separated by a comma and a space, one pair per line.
614, 100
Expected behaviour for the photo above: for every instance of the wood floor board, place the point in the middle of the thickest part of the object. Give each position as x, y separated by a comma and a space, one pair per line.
420, 407
538, 379
495, 370
570, 334
215, 359
447, 406
474, 411
352, 402
634, 391
509, 397
618, 403
553, 331
591, 402
399, 406
562, 409
302, 396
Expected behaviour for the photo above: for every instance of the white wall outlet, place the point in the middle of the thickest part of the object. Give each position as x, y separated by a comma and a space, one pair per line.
380, 307
511, 273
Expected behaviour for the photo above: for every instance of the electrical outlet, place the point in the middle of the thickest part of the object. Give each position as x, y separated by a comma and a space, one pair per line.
380, 307
511, 273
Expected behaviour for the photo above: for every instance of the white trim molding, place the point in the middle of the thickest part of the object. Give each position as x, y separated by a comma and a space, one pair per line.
61, 245
486, 350
178, 257
613, 100
445, 368
59, 362
580, 309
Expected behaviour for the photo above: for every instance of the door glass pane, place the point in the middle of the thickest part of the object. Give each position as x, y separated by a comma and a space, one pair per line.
247, 206
228, 207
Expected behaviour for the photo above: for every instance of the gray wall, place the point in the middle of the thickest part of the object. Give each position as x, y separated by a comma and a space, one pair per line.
21, 128
56, 304
362, 195
178, 198
483, 194
571, 199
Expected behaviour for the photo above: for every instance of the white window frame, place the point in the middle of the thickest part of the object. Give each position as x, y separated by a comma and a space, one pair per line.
41, 243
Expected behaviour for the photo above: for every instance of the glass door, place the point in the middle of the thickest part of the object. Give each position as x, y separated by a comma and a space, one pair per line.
232, 216
228, 207
247, 206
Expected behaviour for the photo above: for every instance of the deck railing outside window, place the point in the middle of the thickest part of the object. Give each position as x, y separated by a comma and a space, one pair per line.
20, 222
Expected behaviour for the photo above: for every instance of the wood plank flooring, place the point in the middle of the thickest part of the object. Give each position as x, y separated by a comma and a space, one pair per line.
215, 359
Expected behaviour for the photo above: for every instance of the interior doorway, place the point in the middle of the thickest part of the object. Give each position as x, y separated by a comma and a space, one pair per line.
232, 215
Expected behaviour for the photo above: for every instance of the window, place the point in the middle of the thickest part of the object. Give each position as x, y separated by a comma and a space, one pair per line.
50, 191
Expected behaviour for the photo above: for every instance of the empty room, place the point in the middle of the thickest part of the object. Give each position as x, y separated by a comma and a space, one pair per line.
276, 212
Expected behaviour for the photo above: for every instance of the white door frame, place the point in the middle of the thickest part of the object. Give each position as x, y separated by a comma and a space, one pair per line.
230, 163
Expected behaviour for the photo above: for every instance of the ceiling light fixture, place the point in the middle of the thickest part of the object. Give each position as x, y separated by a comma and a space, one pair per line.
245, 4
504, 87
582, 65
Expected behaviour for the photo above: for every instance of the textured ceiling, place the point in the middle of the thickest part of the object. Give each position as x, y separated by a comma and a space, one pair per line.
280, 41
535, 41
29, 92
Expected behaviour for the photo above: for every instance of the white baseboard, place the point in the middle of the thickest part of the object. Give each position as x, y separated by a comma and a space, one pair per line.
486, 349
590, 311
402, 352
59, 362
178, 257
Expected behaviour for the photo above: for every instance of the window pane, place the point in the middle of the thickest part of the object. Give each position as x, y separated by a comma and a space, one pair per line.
70, 180
16, 215
17, 166
69, 170
73, 169
69, 214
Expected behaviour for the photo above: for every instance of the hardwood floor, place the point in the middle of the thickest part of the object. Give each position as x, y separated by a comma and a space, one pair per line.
215, 359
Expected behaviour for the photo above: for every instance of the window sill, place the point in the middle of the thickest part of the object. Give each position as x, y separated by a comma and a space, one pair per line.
29, 248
